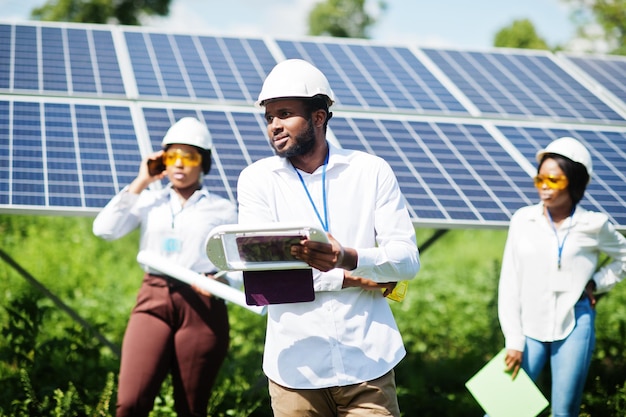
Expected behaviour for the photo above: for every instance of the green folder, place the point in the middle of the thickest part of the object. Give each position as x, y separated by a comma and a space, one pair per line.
501, 396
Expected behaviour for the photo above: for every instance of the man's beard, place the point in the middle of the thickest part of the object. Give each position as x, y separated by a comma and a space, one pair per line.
305, 141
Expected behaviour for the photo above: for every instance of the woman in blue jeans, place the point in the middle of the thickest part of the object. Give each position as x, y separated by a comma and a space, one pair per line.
549, 275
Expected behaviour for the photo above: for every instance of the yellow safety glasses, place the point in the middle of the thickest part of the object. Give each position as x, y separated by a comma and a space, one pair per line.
189, 159
554, 182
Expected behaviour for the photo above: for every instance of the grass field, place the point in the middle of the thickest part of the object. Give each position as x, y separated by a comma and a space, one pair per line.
448, 321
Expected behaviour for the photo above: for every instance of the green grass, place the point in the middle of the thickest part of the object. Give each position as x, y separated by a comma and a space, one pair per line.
448, 321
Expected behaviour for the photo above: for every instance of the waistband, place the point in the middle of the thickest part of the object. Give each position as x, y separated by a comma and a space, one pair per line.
169, 277
171, 282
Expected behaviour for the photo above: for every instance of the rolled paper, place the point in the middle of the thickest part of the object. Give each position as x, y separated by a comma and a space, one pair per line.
190, 277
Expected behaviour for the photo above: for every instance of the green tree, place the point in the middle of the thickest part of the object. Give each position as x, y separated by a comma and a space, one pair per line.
342, 18
601, 20
521, 34
125, 12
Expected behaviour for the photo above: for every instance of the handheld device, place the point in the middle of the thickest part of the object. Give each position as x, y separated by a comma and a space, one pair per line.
260, 247
156, 166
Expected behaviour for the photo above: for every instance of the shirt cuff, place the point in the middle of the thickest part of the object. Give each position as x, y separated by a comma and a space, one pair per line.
515, 343
365, 262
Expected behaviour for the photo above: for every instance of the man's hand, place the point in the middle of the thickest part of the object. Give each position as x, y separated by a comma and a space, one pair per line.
513, 361
367, 284
388, 286
325, 256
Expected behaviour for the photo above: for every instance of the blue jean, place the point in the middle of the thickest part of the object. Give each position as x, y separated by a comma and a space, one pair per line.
569, 361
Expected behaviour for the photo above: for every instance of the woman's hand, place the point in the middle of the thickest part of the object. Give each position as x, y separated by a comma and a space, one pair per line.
218, 277
589, 289
513, 361
144, 179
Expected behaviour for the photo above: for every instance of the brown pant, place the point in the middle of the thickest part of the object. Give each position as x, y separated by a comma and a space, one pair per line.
171, 329
370, 398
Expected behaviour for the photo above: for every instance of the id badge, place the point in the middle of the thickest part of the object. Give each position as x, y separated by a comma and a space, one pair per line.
561, 280
171, 244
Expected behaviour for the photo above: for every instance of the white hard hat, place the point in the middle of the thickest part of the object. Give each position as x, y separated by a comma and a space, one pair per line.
188, 131
295, 78
571, 149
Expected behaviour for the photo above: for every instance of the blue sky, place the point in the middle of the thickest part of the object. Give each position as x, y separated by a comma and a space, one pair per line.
449, 23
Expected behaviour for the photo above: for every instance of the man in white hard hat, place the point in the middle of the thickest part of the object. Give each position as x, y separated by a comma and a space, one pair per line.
333, 356
172, 328
550, 272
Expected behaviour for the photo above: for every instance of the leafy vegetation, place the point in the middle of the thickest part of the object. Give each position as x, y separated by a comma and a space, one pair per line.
600, 28
602, 23
343, 18
50, 365
124, 12
521, 34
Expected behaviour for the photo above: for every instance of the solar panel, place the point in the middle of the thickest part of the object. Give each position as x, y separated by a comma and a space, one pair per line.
376, 77
446, 170
59, 60
530, 85
608, 71
198, 67
60, 156
81, 105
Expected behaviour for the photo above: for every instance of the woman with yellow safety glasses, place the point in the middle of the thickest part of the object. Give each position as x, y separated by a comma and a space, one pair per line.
173, 328
546, 302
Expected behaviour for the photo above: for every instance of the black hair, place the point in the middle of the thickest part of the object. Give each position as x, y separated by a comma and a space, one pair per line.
206, 157
576, 174
206, 160
319, 102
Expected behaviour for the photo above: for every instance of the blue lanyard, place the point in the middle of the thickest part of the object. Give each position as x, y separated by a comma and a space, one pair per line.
306, 189
561, 243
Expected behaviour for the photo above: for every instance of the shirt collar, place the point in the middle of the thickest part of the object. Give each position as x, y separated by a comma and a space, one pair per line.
337, 156
536, 213
197, 195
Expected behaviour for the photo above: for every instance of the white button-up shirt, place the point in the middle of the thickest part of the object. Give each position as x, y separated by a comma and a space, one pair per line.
168, 228
536, 299
344, 336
